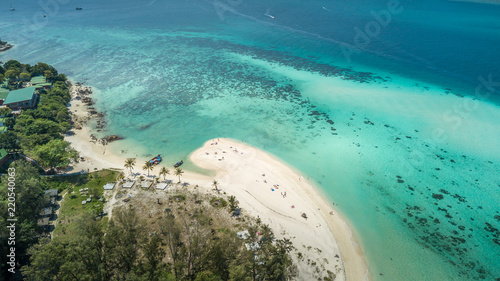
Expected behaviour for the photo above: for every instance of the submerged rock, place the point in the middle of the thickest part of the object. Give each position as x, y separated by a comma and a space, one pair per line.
113, 138
437, 196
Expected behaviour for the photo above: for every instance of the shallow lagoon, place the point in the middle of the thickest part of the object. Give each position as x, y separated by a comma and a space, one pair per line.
413, 165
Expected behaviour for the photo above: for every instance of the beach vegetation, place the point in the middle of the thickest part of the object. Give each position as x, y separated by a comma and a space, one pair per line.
9, 141
44, 126
179, 172
233, 203
178, 197
189, 242
30, 199
130, 163
55, 153
12, 74
218, 202
5, 111
215, 185
25, 77
12, 64
148, 166
164, 172
74, 190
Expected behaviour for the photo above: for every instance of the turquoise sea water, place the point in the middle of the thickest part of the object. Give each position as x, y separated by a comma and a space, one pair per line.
392, 133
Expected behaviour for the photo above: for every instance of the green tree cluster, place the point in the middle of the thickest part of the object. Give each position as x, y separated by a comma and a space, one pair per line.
16, 72
29, 200
38, 132
185, 248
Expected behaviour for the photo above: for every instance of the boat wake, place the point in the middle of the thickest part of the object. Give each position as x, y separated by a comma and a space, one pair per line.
268, 15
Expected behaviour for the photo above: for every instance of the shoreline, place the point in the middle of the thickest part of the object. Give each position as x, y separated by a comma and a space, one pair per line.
243, 177
323, 235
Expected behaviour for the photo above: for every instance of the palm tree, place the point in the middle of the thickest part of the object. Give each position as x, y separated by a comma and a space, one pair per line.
130, 163
215, 184
120, 177
164, 171
148, 166
233, 204
267, 234
179, 172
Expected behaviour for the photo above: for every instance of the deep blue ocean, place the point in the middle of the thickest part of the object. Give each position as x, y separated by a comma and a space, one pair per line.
390, 107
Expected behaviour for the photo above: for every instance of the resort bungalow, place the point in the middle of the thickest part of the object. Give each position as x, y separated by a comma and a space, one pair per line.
128, 184
43, 86
52, 193
162, 185
243, 234
36, 80
254, 246
46, 212
40, 82
43, 222
146, 184
109, 186
21, 99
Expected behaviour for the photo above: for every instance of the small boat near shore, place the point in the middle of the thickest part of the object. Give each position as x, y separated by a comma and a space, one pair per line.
178, 164
156, 160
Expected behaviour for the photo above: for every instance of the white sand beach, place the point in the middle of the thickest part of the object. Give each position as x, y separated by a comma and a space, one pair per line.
265, 188
95, 155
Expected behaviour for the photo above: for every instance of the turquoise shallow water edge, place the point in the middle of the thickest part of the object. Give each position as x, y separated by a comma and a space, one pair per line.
390, 140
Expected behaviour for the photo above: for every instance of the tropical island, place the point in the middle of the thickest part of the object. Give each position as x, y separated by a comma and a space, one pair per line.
4, 46
85, 213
